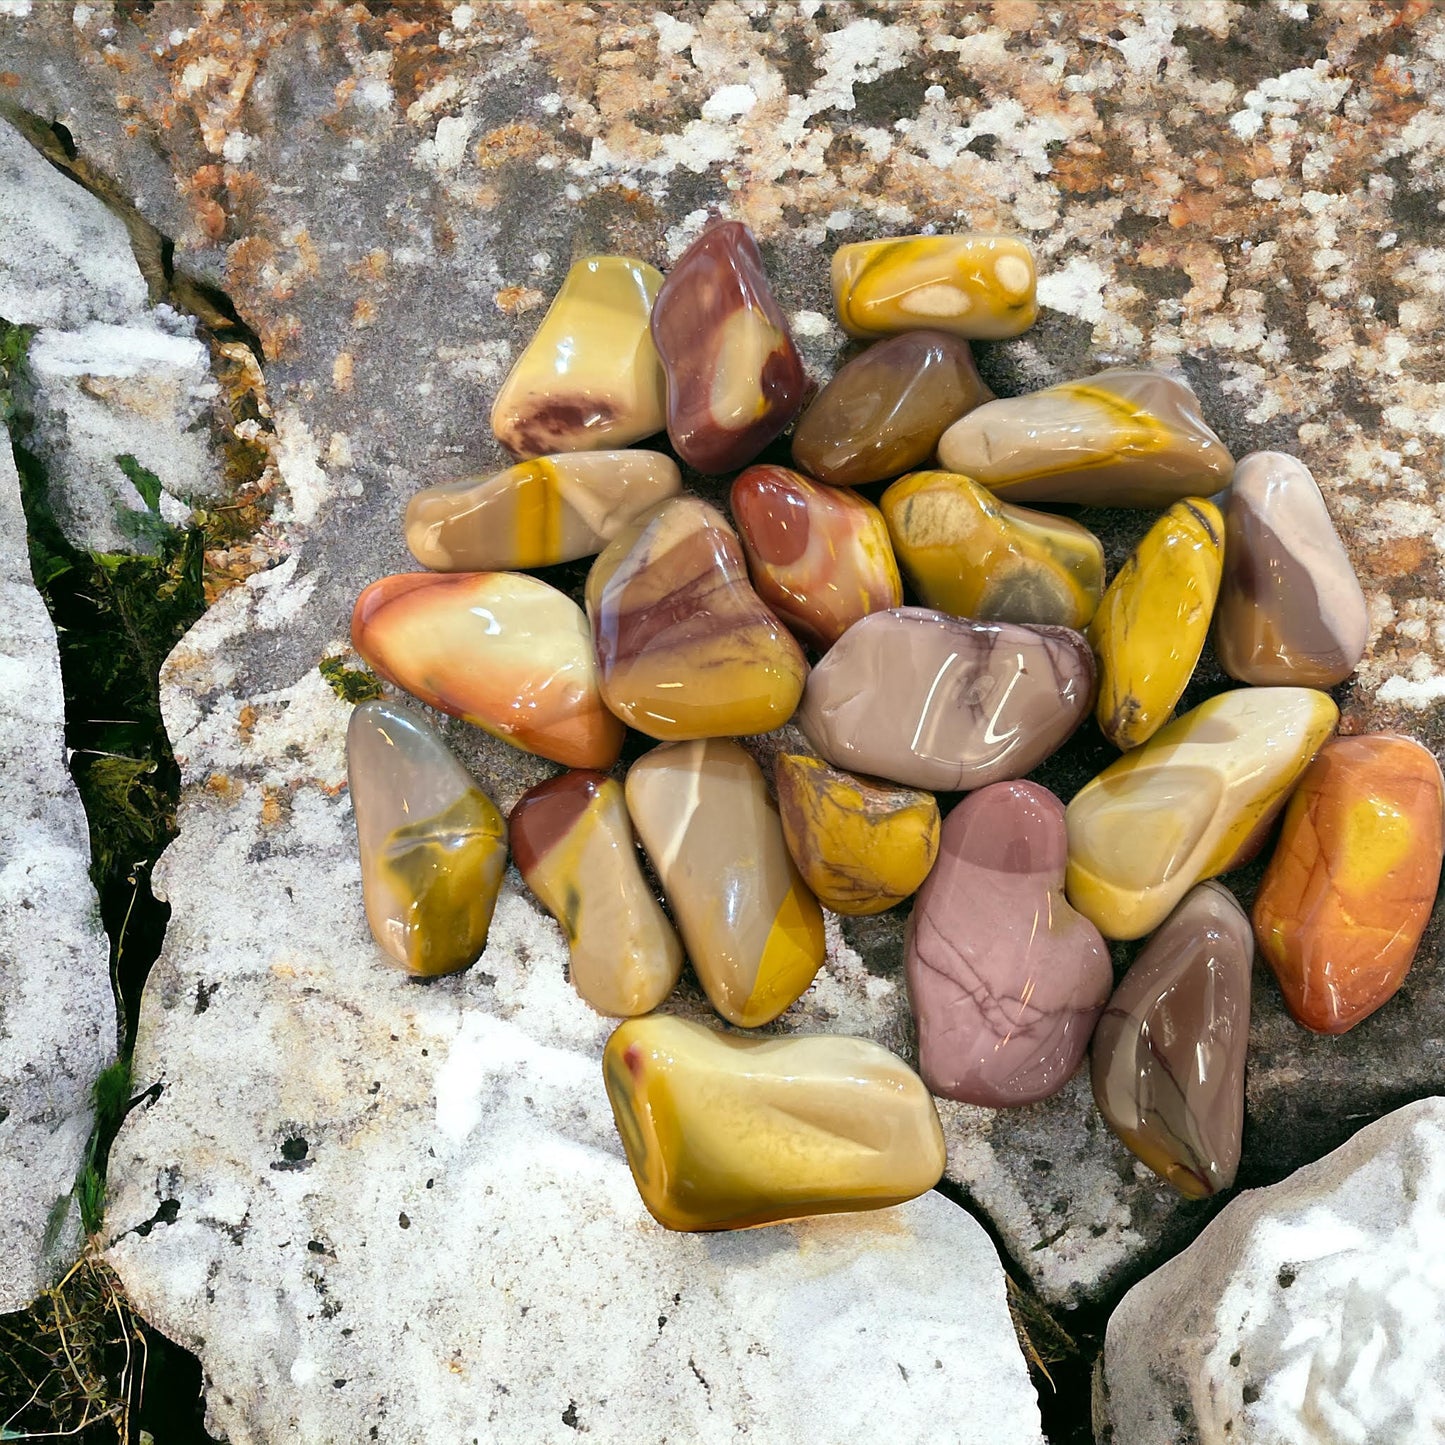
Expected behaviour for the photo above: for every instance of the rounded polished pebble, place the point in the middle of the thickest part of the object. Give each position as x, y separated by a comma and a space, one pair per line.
1192, 802
1154, 619
819, 557
1004, 978
433, 846
500, 649
1168, 1052
727, 1132
572, 844
1124, 438
537, 513
938, 702
965, 552
884, 411
861, 846
1349, 890
1291, 611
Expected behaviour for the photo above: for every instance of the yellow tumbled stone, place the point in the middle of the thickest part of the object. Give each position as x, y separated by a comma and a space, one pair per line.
967, 553
726, 1132
860, 846
1150, 627
971, 285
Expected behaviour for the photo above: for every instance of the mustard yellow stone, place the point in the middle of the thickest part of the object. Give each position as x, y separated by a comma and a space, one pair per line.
726, 1132
860, 846
967, 553
971, 285
1150, 627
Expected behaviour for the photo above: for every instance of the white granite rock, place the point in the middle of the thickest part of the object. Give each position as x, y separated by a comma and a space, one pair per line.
1308, 1313
57, 1013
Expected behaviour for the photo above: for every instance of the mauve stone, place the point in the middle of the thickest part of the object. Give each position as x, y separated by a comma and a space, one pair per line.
1004, 978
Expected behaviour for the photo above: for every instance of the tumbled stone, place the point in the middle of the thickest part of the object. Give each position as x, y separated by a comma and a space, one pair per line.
819, 557
500, 649
1291, 611
685, 647
591, 376
537, 513
723, 1132
1004, 978
734, 378
433, 845
967, 553
1151, 626
1124, 438
1194, 801
939, 702
753, 932
970, 285
572, 843
860, 846
1348, 892
884, 411
1168, 1052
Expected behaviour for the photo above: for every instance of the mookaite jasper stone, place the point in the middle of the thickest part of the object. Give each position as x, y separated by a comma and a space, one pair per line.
1168, 1053
970, 285
433, 845
1290, 607
685, 647
819, 557
734, 379
1194, 801
1004, 978
725, 1132
591, 376
572, 844
939, 702
500, 649
548, 510
1349, 890
1151, 626
884, 411
967, 553
752, 930
1123, 438
860, 846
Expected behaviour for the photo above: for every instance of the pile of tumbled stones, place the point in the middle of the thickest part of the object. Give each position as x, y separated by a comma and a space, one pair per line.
695, 633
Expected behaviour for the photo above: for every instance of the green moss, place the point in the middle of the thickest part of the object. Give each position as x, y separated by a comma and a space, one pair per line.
350, 684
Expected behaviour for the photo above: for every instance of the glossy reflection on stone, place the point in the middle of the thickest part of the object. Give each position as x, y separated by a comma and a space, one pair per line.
861, 846
1151, 626
685, 647
537, 513
500, 649
967, 553
572, 843
591, 376
1347, 895
1123, 438
734, 379
884, 411
433, 845
726, 1132
1290, 607
938, 702
1168, 1053
969, 285
819, 557
753, 932
1196, 800
1004, 978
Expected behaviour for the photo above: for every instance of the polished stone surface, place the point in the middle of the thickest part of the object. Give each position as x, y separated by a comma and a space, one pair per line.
1168, 1054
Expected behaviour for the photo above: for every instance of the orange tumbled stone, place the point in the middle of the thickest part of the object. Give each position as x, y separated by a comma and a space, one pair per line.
1349, 890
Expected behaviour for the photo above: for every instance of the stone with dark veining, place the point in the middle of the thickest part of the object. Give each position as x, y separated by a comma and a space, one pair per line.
1004, 978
